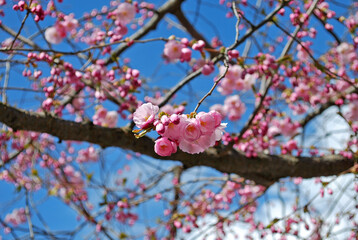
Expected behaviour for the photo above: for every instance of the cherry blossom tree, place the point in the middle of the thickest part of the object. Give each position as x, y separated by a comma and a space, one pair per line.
179, 119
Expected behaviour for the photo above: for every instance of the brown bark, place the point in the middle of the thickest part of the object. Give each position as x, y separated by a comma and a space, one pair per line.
264, 169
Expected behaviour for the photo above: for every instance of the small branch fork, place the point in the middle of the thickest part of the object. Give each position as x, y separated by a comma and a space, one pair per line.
285, 50
219, 57
217, 81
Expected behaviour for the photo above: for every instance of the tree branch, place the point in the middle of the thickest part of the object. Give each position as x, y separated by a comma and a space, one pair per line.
219, 57
263, 169
169, 6
192, 31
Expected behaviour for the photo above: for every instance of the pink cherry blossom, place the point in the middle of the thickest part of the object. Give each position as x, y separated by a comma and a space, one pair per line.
53, 36
144, 116
203, 142
208, 68
111, 119
191, 130
217, 117
164, 147
191, 147
100, 115
236, 79
125, 12
234, 108
173, 50
199, 45
17, 217
185, 55
352, 114
172, 132
285, 127
233, 53
206, 121
69, 23
87, 155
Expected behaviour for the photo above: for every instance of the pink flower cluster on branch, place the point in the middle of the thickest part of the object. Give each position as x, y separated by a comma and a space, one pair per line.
35, 8
58, 32
192, 133
17, 217
175, 50
104, 118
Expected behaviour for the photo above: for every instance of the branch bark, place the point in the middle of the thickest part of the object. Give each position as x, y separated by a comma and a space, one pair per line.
264, 169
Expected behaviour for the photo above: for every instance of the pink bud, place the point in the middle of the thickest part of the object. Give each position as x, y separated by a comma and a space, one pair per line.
174, 118
177, 224
160, 128
207, 69
199, 45
165, 120
233, 53
328, 26
185, 55
185, 41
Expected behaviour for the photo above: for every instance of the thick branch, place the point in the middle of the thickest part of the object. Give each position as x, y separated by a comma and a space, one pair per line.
264, 169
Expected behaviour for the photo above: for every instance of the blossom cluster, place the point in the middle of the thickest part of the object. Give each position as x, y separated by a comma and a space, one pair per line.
175, 50
17, 217
105, 118
192, 133
58, 32
236, 78
35, 8
122, 15
233, 108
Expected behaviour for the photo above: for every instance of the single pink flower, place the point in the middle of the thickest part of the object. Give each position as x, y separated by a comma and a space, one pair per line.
172, 132
206, 122
291, 145
218, 117
173, 50
125, 12
144, 116
164, 147
233, 53
111, 119
53, 36
191, 130
191, 147
234, 108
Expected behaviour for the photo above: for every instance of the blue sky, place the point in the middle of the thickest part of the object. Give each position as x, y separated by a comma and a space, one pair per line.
147, 58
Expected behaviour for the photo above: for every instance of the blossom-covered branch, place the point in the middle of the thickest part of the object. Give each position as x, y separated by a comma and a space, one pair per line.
264, 169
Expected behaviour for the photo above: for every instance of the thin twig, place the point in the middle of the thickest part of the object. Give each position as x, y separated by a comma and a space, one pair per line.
218, 58
269, 81
21, 27
27, 212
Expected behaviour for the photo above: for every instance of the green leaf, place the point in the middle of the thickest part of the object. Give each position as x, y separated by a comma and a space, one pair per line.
123, 236
89, 176
144, 132
275, 220
324, 184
